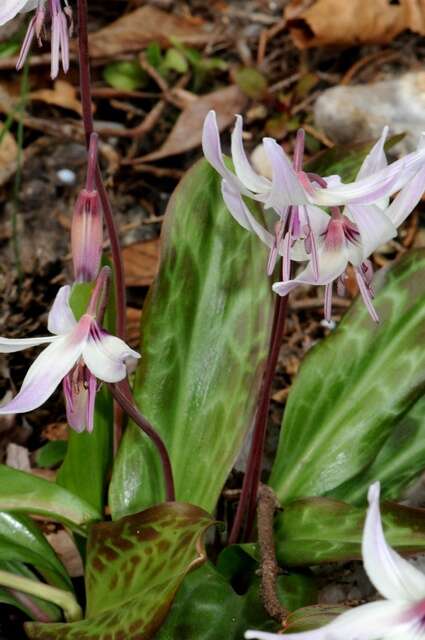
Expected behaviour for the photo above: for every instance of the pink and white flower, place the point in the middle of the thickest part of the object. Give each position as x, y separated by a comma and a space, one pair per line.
61, 25
78, 353
401, 616
352, 235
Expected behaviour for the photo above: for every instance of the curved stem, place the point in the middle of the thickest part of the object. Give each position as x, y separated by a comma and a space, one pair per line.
122, 395
86, 102
63, 599
248, 500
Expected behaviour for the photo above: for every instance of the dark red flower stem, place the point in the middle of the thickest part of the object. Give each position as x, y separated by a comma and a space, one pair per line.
248, 500
119, 392
86, 102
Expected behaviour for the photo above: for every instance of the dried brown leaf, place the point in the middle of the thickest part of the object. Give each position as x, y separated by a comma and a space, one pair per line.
134, 31
8, 157
187, 132
332, 22
62, 95
141, 262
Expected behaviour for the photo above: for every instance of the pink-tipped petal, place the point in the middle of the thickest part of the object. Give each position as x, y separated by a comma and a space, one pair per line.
106, 355
12, 345
365, 292
365, 191
404, 203
374, 226
55, 46
48, 369
392, 575
26, 44
61, 319
64, 41
244, 171
212, 151
242, 214
87, 236
372, 621
332, 265
10, 8
375, 159
286, 187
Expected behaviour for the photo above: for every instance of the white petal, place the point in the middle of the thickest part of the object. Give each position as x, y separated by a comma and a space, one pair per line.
31, 4
374, 226
61, 318
316, 217
11, 345
242, 214
371, 621
286, 186
392, 575
10, 8
404, 203
48, 369
244, 171
332, 264
212, 151
365, 191
375, 159
106, 355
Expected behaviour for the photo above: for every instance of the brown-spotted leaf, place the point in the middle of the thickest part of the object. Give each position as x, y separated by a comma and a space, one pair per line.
313, 617
134, 568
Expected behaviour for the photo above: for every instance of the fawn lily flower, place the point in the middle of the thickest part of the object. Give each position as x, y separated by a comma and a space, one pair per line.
353, 235
78, 353
401, 616
61, 25
87, 224
292, 186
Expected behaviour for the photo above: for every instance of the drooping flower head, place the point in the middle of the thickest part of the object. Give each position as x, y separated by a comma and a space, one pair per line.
360, 217
87, 224
78, 353
401, 616
60, 19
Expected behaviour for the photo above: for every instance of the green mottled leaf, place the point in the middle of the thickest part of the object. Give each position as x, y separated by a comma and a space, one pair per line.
354, 387
310, 618
87, 463
205, 331
22, 541
20, 491
398, 463
51, 454
134, 568
208, 608
317, 530
345, 160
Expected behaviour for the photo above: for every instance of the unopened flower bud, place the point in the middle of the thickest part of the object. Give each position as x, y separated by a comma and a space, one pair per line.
87, 225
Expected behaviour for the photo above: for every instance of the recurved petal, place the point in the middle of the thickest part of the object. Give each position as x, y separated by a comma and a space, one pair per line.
286, 186
61, 318
10, 8
106, 355
373, 621
11, 345
48, 369
332, 264
392, 575
374, 226
375, 159
404, 203
242, 214
212, 151
244, 171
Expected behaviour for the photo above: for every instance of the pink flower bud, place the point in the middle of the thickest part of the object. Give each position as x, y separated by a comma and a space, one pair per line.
87, 225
